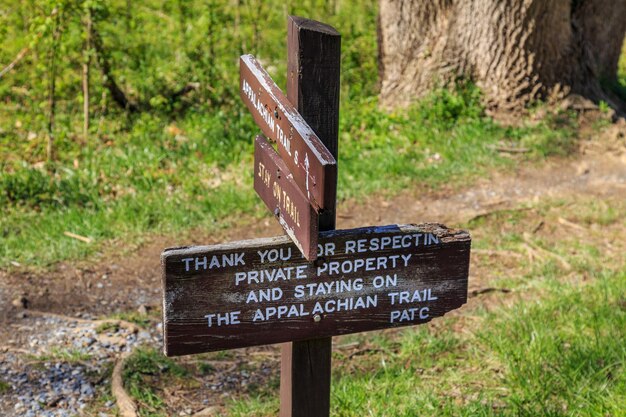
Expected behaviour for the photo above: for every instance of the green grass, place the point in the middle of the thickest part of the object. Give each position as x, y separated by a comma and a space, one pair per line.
559, 353
62, 354
112, 324
141, 370
4, 387
153, 182
554, 345
141, 320
174, 169
565, 354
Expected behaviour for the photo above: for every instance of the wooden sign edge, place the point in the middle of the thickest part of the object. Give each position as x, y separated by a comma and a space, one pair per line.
459, 235
314, 25
307, 133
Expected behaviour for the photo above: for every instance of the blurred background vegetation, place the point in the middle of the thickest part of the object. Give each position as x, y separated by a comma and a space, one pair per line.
168, 145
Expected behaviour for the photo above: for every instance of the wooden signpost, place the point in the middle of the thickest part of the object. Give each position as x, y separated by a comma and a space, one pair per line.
317, 282
313, 62
310, 162
263, 291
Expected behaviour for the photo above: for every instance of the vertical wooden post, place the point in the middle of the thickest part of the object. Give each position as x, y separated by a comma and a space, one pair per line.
314, 53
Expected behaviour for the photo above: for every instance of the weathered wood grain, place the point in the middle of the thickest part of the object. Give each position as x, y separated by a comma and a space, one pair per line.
428, 258
313, 81
310, 162
275, 185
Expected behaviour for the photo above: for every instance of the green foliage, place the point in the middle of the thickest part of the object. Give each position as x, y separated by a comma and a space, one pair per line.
155, 48
149, 361
141, 320
35, 188
107, 327
563, 355
603, 106
143, 365
452, 106
62, 354
185, 164
205, 368
568, 353
4, 387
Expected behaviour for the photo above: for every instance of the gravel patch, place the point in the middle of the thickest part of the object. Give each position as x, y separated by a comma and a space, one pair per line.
55, 366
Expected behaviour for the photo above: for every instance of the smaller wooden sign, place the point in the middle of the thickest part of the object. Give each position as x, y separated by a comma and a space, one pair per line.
310, 162
263, 291
275, 185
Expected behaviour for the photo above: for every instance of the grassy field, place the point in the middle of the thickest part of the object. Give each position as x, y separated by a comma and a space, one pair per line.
159, 183
547, 336
544, 334
173, 168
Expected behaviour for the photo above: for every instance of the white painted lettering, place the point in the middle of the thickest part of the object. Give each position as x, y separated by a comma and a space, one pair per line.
225, 319
201, 263
187, 261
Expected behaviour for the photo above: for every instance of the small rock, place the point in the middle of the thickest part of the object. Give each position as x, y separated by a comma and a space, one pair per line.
143, 310
89, 341
86, 389
20, 302
207, 412
54, 401
143, 335
113, 340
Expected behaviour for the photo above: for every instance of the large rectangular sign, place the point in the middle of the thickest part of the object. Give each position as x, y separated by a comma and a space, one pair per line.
312, 165
275, 185
263, 291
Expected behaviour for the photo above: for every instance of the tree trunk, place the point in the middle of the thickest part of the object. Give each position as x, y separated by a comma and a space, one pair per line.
516, 51
109, 81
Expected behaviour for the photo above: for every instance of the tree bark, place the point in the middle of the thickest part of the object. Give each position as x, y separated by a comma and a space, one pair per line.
516, 51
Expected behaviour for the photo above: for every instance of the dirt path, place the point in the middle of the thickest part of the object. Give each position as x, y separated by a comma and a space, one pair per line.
127, 282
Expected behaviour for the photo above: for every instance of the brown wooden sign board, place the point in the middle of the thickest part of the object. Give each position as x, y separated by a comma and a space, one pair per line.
275, 185
262, 291
311, 164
